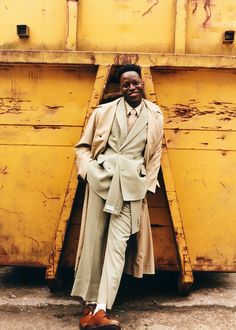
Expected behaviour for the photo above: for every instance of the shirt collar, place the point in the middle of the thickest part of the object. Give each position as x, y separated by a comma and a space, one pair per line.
129, 108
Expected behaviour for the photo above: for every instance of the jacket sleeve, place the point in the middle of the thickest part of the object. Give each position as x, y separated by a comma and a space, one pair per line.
83, 147
154, 162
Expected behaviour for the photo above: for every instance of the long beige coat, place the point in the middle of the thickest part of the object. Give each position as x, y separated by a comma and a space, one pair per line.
140, 256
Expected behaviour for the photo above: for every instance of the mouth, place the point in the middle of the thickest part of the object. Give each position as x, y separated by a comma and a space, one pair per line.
133, 94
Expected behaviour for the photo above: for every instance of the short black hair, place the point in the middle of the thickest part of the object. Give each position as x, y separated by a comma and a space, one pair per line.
126, 68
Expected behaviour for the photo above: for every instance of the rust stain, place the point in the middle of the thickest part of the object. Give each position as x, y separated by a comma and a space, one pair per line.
121, 59
93, 59
46, 127
54, 107
225, 119
149, 9
222, 184
188, 111
195, 8
222, 137
11, 105
203, 259
3, 170
33, 239
51, 197
176, 130
207, 7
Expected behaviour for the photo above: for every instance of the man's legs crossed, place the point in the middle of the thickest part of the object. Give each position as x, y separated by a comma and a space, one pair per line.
118, 234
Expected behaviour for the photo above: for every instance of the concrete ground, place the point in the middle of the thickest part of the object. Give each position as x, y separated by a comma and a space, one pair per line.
151, 303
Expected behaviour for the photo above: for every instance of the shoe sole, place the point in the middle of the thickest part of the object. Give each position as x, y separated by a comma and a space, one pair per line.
103, 327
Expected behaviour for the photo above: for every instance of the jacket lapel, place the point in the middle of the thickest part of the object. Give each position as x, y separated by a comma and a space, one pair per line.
140, 123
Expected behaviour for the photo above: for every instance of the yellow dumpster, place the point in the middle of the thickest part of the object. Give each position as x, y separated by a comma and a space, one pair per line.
57, 62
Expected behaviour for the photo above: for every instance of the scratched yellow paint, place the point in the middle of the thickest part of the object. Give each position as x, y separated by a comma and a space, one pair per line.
200, 132
36, 96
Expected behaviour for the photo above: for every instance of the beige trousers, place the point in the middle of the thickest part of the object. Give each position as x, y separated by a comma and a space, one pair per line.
102, 259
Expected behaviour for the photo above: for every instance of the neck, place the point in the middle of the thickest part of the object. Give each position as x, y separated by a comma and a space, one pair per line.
134, 104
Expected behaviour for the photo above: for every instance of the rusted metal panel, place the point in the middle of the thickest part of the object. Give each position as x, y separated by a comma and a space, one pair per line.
45, 96
41, 118
200, 127
197, 99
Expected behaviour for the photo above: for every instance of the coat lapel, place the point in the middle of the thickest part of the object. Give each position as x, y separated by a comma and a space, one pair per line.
122, 120
103, 130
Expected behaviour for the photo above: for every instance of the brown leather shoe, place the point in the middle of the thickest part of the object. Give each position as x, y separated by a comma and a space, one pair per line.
87, 314
101, 321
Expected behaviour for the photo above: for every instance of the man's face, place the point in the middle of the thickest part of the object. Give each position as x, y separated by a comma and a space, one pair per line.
131, 86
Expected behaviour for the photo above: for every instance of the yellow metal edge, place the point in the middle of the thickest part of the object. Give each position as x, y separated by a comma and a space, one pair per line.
55, 255
71, 33
105, 58
180, 26
98, 89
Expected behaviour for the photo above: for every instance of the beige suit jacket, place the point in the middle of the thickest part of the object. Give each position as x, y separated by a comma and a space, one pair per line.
140, 256
95, 137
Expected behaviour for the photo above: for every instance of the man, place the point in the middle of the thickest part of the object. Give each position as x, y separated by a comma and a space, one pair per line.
119, 157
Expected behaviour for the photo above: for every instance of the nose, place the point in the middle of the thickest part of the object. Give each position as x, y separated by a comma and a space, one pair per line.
131, 87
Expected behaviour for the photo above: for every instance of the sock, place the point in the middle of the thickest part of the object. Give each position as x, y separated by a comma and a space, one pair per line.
100, 306
90, 303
